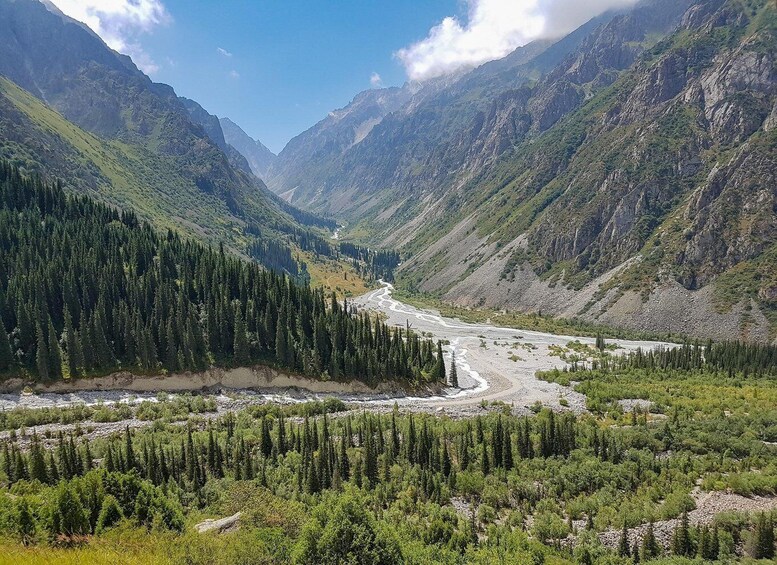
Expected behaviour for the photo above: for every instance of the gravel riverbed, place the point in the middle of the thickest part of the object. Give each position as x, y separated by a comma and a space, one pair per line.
495, 364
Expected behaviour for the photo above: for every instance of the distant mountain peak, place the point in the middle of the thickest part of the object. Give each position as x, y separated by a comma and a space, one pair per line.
258, 156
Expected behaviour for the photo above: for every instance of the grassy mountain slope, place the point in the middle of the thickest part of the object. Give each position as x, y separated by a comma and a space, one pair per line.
38, 138
72, 108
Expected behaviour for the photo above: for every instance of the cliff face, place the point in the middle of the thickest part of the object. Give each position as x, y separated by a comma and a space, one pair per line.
428, 137
621, 174
258, 157
654, 205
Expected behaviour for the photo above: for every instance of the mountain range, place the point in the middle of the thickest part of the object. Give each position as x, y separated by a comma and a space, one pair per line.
624, 174
72, 108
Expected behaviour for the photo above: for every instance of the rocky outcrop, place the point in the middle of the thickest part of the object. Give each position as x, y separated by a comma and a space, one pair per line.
212, 128
258, 156
327, 141
708, 506
673, 164
221, 525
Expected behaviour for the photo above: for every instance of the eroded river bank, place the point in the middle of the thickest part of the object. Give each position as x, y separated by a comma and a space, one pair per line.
495, 364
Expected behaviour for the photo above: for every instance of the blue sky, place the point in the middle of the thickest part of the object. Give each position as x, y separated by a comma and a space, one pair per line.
289, 63
276, 67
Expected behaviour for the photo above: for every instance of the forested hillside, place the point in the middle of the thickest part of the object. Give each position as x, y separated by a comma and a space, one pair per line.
71, 108
86, 289
684, 475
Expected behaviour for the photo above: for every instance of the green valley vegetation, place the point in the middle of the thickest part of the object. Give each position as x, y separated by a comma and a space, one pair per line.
326, 485
690, 381
86, 290
319, 483
151, 184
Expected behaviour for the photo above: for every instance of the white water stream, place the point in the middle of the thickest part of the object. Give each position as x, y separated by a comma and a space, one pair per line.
493, 364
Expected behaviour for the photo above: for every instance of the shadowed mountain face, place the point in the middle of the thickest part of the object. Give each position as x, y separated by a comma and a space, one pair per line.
425, 137
620, 174
259, 158
71, 107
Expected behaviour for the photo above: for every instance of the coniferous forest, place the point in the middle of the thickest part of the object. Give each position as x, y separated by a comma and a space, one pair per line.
86, 289
317, 483
519, 310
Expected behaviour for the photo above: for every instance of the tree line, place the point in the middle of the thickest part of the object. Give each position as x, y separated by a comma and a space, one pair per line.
86, 289
731, 357
369, 263
361, 450
555, 467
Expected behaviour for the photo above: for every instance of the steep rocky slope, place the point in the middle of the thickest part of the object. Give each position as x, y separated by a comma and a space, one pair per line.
437, 132
323, 144
653, 206
212, 127
624, 174
259, 158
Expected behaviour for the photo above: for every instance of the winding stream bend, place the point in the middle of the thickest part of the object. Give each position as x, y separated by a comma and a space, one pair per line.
493, 364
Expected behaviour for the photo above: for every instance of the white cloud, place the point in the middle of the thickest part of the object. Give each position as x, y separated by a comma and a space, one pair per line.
375, 80
223, 52
119, 23
493, 29
234, 74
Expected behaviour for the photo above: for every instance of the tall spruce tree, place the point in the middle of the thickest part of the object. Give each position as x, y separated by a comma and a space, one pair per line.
681, 540
42, 354
623, 543
242, 353
6, 353
453, 378
650, 547
762, 542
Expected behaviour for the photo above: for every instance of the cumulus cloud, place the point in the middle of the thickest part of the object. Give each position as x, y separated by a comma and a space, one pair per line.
223, 52
119, 23
234, 74
494, 28
375, 80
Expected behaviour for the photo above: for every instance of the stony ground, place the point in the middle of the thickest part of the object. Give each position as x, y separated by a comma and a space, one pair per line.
708, 505
495, 365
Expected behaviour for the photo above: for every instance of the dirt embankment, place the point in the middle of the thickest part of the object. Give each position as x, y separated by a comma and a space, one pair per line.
259, 377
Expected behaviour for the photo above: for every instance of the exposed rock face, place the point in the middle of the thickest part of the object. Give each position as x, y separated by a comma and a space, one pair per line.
257, 377
258, 156
428, 138
332, 137
212, 128
635, 158
221, 526
682, 158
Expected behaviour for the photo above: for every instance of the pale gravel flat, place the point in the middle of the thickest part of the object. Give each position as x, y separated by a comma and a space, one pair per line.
495, 364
